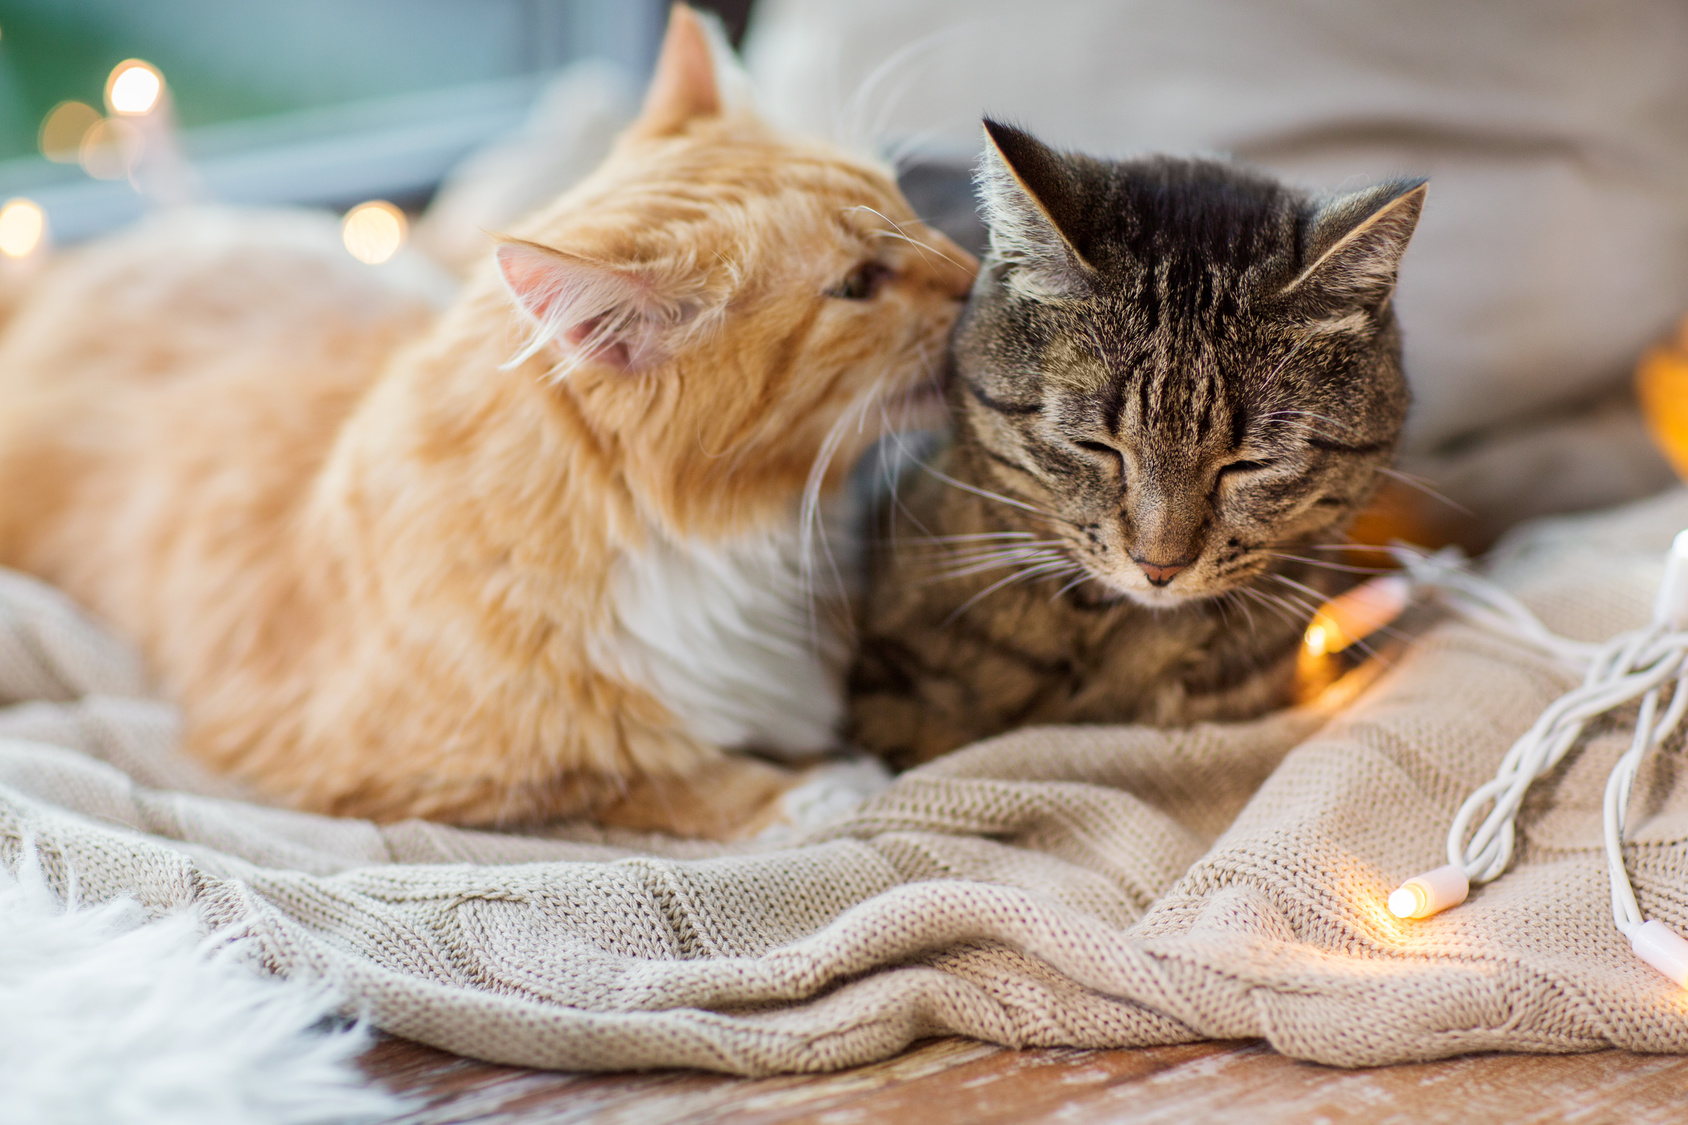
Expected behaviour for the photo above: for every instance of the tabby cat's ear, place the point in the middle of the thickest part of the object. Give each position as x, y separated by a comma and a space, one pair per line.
683, 85
592, 311
1355, 243
1035, 212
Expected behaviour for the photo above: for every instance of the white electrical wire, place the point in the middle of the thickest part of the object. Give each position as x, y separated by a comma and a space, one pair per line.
1649, 663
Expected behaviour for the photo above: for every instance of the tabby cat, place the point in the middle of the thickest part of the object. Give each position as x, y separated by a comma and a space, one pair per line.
396, 564
1175, 384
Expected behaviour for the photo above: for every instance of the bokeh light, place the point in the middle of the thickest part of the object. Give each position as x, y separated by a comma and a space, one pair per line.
1317, 640
110, 149
22, 226
134, 87
373, 231
64, 127
1662, 382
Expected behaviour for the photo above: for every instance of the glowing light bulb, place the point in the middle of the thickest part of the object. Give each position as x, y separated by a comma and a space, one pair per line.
1661, 381
373, 231
1357, 614
1316, 640
22, 225
64, 127
133, 87
1430, 893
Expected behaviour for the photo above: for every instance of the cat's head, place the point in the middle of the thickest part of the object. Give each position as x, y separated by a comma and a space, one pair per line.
738, 313
1188, 368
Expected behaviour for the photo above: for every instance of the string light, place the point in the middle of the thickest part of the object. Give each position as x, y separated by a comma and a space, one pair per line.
1357, 614
373, 231
1649, 664
133, 87
1430, 893
1661, 382
1644, 664
23, 225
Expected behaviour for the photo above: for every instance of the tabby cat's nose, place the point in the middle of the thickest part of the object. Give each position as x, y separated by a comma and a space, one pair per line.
1156, 574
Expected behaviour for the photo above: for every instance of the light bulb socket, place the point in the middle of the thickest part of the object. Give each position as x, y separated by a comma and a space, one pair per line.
1430, 893
1671, 607
1663, 948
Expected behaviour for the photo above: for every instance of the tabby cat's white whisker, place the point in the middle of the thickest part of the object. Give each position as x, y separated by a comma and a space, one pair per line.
979, 550
1084, 575
980, 535
989, 495
1235, 598
1020, 576
981, 566
974, 565
1271, 602
1422, 486
1345, 568
1319, 598
952, 562
899, 440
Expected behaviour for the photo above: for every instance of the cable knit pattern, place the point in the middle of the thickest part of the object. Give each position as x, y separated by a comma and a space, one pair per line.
1081, 886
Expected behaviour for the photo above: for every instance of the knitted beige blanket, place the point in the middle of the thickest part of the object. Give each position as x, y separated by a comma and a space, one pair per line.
1094, 887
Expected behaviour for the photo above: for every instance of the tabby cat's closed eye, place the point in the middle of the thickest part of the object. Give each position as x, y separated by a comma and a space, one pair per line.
1105, 451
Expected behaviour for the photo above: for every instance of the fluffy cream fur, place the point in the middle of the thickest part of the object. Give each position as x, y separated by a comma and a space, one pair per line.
112, 1019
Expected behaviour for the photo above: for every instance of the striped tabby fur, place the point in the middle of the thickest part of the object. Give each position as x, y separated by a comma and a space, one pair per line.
1175, 380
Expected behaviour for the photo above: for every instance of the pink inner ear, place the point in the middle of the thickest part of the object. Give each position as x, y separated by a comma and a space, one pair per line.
594, 310
532, 276
611, 350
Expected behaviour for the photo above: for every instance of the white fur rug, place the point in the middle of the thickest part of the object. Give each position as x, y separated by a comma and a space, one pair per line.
107, 1018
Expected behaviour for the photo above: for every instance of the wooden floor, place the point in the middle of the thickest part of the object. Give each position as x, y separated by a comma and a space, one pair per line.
956, 1081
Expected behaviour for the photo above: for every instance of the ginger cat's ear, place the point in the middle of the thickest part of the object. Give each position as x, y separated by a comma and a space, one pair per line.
593, 311
684, 85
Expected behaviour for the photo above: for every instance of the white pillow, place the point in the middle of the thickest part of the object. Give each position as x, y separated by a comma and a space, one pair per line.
1553, 247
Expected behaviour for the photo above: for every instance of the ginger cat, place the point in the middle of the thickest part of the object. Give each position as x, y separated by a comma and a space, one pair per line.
390, 571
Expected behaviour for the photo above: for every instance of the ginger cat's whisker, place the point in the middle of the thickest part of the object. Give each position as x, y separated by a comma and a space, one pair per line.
811, 524
898, 233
